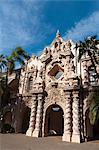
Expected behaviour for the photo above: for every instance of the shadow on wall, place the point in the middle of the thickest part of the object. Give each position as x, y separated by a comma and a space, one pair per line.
92, 131
25, 120
6, 123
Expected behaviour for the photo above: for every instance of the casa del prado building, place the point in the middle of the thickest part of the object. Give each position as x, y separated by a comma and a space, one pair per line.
52, 94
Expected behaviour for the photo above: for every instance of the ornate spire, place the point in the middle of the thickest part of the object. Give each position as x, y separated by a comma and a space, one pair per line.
57, 34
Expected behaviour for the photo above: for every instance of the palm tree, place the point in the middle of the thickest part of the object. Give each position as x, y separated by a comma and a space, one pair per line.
17, 55
2, 62
9, 63
89, 46
2, 66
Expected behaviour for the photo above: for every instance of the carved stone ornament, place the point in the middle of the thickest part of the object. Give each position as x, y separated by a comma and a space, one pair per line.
55, 95
54, 78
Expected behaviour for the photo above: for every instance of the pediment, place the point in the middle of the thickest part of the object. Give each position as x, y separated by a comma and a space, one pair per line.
57, 50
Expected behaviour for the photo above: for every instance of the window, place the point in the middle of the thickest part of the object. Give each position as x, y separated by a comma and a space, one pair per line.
56, 72
30, 84
92, 76
56, 44
55, 109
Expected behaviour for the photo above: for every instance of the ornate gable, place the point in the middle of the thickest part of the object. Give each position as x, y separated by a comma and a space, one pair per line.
54, 66
58, 60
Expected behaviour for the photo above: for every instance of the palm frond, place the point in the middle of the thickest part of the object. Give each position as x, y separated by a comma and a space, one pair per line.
19, 59
3, 62
11, 66
94, 107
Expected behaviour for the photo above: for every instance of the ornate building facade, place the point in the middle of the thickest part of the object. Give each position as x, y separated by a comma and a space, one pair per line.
56, 87
51, 86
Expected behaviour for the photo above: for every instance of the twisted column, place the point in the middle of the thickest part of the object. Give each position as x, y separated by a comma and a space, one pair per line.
76, 118
37, 130
67, 117
32, 117
85, 131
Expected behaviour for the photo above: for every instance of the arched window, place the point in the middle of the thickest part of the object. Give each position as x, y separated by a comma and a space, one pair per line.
56, 44
92, 76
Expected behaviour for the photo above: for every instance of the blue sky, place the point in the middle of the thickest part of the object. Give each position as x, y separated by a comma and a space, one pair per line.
32, 24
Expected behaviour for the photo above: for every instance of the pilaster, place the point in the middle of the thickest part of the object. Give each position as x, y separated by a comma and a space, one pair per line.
76, 118
67, 117
32, 117
36, 132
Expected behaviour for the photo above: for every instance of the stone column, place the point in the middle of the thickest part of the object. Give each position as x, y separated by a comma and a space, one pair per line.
67, 117
76, 118
85, 133
37, 130
32, 117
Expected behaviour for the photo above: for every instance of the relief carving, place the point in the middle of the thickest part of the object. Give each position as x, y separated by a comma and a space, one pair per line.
55, 95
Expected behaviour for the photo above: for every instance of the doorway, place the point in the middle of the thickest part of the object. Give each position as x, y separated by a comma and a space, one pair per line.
92, 131
54, 121
96, 130
26, 119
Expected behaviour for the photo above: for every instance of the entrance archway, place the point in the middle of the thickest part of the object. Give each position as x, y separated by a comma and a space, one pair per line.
26, 119
54, 121
7, 118
96, 130
89, 127
92, 131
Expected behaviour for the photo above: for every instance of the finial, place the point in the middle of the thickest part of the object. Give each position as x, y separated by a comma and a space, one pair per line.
33, 56
57, 33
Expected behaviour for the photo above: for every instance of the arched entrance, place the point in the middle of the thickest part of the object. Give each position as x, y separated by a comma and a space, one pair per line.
7, 123
54, 121
96, 130
89, 127
7, 118
26, 119
92, 131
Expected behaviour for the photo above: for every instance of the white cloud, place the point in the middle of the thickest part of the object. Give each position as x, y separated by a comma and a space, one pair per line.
85, 27
21, 23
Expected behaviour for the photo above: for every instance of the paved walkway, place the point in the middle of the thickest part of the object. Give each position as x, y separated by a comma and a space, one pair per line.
21, 142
